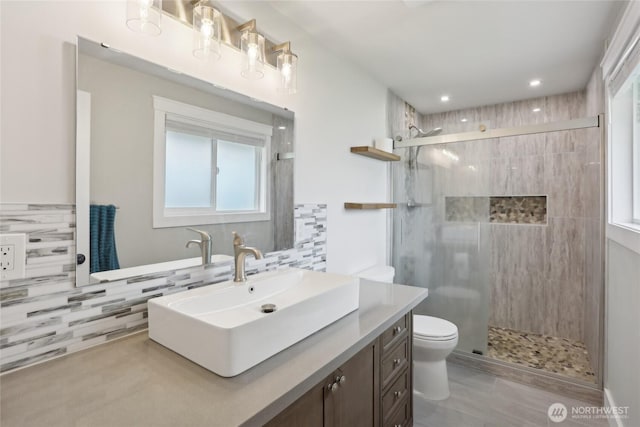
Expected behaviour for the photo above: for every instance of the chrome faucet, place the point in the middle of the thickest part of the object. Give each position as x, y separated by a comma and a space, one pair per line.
204, 243
240, 252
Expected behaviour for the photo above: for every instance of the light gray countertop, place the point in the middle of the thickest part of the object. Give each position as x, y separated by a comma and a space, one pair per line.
136, 382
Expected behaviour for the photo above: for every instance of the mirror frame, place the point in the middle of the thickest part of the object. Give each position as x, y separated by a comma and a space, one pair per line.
83, 152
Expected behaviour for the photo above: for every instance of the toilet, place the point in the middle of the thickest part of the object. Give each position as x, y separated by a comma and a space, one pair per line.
433, 340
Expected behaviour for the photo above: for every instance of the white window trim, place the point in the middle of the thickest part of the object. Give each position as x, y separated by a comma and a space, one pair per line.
172, 217
622, 231
635, 153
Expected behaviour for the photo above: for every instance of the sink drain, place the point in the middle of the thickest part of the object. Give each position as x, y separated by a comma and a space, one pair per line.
268, 308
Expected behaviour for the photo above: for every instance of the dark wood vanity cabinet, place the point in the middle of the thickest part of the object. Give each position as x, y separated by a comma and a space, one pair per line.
373, 388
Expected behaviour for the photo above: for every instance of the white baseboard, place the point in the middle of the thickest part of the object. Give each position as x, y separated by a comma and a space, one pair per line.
608, 402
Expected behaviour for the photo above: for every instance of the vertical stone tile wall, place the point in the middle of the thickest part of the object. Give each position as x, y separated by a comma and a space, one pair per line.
44, 315
541, 278
592, 181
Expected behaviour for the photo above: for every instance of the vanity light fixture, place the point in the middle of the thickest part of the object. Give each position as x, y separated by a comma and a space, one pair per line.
287, 63
206, 31
252, 46
143, 16
210, 29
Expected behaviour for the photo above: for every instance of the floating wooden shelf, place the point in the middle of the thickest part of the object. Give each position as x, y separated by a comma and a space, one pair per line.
374, 153
351, 205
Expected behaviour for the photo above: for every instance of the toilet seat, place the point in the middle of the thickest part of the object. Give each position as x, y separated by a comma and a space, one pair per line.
428, 328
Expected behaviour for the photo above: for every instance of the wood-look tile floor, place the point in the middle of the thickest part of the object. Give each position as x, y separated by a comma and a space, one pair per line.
482, 400
551, 354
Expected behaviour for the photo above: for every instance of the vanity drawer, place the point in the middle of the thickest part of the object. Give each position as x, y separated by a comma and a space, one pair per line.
396, 395
401, 416
394, 333
394, 362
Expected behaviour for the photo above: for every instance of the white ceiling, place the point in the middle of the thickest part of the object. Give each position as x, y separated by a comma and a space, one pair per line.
478, 52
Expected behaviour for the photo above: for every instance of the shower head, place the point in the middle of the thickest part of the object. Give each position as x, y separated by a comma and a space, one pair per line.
423, 134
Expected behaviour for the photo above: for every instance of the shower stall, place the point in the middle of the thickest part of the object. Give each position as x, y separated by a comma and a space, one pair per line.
500, 216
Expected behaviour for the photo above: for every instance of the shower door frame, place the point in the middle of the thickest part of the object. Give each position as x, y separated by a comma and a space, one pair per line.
484, 362
583, 123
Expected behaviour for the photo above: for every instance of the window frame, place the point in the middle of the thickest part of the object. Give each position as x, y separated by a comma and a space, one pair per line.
167, 109
635, 151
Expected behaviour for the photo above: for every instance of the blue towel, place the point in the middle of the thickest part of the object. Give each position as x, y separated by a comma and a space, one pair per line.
102, 238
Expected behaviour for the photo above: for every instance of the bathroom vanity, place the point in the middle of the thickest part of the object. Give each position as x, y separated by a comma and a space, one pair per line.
135, 381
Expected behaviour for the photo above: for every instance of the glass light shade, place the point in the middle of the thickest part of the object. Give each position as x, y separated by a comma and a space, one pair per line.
143, 16
288, 68
252, 46
206, 31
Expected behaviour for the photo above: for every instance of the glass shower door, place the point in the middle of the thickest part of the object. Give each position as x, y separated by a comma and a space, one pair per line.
440, 233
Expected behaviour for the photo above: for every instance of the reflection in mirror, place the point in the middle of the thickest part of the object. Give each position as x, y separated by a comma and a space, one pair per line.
159, 151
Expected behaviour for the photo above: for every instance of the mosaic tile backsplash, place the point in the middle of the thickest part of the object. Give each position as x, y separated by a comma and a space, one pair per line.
44, 315
502, 210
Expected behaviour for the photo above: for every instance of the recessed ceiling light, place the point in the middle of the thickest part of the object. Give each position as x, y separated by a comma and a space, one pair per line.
534, 83
463, 120
282, 127
536, 110
444, 98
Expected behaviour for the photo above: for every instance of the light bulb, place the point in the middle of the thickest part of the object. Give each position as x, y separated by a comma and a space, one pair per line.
143, 16
252, 45
144, 9
206, 28
252, 54
286, 71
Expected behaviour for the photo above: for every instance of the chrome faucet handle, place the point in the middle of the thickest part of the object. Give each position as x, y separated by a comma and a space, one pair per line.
237, 240
197, 242
205, 244
204, 236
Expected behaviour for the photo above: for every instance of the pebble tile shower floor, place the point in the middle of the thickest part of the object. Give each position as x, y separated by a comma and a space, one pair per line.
552, 354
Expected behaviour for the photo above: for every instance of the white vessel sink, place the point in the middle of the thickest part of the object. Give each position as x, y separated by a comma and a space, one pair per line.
223, 328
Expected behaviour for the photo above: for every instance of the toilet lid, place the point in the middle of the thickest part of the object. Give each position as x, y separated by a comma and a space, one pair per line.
433, 328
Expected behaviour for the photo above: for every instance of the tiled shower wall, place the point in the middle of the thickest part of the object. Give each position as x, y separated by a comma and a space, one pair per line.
593, 231
539, 276
44, 315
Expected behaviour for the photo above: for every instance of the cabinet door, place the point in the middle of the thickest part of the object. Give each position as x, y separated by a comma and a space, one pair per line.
306, 411
354, 402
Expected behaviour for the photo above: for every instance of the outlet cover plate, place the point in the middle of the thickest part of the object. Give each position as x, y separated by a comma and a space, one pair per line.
17, 244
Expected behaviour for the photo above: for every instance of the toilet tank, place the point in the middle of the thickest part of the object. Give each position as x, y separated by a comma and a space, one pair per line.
379, 273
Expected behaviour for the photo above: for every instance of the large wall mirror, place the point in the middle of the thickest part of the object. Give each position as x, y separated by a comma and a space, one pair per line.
159, 152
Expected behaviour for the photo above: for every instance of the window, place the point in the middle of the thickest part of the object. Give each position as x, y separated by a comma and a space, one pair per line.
209, 167
625, 152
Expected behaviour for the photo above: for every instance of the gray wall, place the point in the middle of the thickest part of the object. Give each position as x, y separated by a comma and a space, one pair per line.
122, 164
622, 377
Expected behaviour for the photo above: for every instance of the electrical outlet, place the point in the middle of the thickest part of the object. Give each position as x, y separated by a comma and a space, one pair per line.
12, 256
7, 257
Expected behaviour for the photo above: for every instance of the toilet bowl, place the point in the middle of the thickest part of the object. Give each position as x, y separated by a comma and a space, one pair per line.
433, 340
